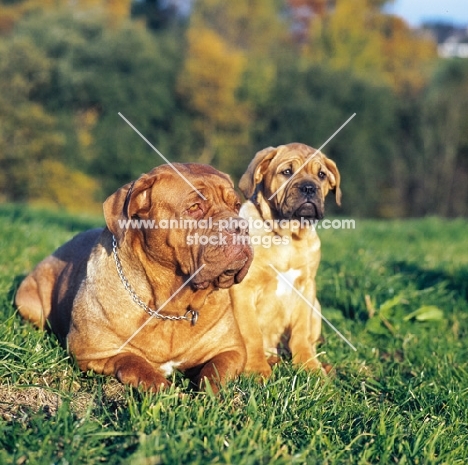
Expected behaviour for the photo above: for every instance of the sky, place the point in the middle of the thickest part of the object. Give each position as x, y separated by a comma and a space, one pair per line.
417, 11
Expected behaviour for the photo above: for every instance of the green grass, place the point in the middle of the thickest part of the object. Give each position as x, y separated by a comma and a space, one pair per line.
397, 290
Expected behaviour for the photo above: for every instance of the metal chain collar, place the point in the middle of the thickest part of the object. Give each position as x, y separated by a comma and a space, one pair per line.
193, 317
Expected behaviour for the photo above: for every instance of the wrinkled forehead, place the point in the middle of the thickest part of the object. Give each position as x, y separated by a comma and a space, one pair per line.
188, 170
309, 159
187, 180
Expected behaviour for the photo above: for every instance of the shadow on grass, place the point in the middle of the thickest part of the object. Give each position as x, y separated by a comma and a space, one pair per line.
345, 288
423, 278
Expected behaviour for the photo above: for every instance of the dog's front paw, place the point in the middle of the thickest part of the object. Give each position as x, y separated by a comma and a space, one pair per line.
134, 370
149, 380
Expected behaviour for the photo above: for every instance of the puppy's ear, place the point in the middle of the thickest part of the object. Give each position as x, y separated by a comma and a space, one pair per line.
334, 179
133, 199
255, 171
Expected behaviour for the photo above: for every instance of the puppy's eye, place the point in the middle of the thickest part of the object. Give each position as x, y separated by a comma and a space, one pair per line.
287, 172
322, 175
237, 207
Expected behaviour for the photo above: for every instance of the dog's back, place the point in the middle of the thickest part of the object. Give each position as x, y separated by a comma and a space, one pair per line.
38, 291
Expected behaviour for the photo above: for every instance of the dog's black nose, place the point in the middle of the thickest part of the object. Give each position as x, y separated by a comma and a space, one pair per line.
308, 189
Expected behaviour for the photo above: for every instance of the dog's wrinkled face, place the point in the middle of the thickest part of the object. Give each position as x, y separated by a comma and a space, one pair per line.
179, 228
295, 192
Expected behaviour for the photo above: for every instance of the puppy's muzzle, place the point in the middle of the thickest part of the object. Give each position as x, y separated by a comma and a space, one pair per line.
308, 200
308, 190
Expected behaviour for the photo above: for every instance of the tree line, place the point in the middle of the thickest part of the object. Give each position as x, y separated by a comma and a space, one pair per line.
217, 81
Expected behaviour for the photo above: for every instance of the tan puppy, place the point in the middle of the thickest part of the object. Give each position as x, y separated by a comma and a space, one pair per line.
97, 292
271, 315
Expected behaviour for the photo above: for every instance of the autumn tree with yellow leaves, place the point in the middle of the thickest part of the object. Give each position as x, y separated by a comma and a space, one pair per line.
216, 81
227, 71
210, 82
355, 35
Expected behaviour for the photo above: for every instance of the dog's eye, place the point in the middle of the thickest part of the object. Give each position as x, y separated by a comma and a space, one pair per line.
238, 207
287, 172
322, 175
195, 207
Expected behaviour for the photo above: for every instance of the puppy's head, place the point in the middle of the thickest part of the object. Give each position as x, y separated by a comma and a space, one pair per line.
292, 180
164, 213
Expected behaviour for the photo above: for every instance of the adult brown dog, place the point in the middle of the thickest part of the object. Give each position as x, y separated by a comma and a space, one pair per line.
281, 195
120, 298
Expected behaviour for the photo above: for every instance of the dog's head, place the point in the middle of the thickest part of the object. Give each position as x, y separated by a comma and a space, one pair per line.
177, 227
292, 181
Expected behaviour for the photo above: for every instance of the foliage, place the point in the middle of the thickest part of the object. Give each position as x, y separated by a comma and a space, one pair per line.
208, 82
354, 44
95, 74
64, 187
400, 398
356, 36
215, 81
114, 11
30, 141
445, 139
408, 57
227, 73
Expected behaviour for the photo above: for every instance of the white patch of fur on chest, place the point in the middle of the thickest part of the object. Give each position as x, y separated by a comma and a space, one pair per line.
284, 288
168, 367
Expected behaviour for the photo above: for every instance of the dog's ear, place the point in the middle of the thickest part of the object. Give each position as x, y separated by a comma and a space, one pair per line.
131, 200
255, 171
334, 179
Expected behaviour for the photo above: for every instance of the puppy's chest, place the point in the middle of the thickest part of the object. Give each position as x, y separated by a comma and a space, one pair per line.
286, 285
290, 279
292, 270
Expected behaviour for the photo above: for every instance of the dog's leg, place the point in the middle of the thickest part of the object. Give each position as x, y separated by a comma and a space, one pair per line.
221, 368
304, 338
129, 369
256, 359
251, 333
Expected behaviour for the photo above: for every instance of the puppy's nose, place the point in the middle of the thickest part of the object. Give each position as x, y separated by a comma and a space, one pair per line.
308, 189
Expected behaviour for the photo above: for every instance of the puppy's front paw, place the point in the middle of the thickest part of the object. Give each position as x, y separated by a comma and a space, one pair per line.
261, 368
327, 368
315, 365
312, 365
